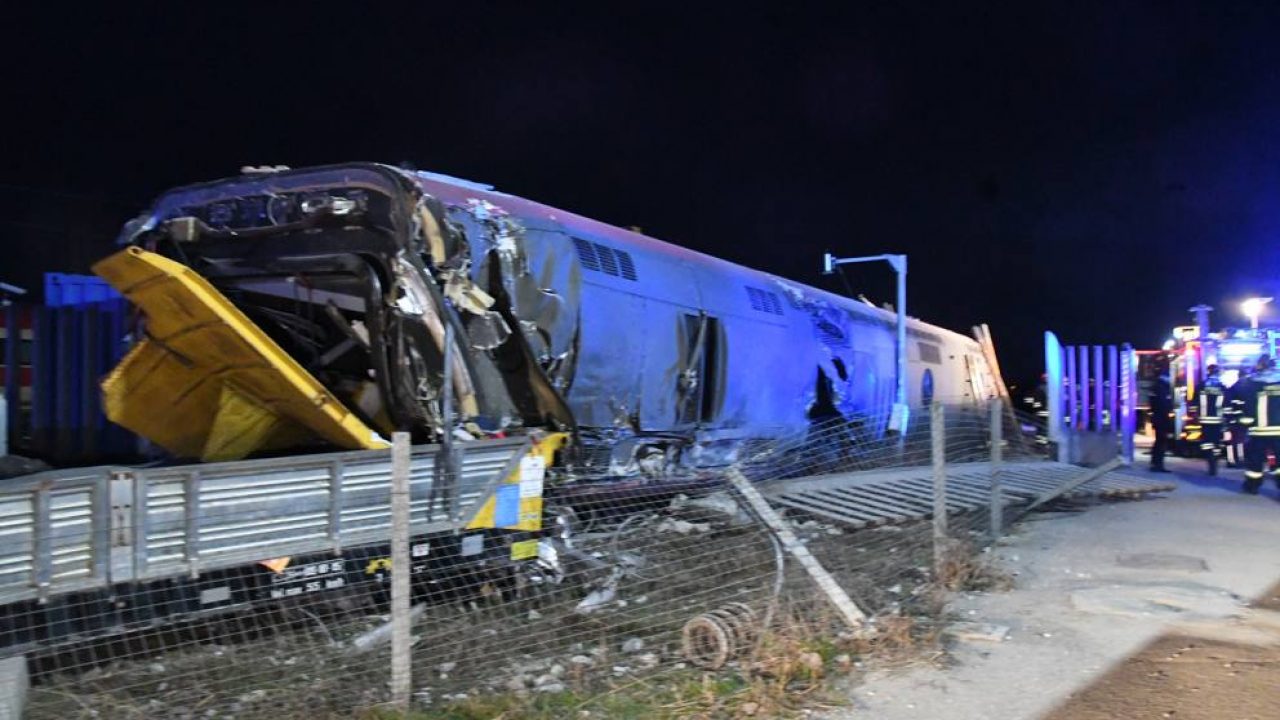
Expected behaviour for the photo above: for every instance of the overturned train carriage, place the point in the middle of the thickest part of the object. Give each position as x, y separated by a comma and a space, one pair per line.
311, 307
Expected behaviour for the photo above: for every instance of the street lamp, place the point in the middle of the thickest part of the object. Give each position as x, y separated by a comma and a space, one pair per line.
1252, 308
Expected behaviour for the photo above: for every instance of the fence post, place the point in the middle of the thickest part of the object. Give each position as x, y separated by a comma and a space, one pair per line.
939, 450
997, 451
400, 570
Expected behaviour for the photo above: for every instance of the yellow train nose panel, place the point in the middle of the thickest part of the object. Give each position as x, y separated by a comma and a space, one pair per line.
206, 382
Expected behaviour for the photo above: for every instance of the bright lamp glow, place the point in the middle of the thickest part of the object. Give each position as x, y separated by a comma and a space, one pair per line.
1235, 351
1252, 308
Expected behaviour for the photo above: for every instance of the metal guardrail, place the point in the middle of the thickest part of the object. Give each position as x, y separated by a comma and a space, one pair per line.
72, 530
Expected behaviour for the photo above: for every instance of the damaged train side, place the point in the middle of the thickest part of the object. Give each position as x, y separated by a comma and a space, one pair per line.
652, 355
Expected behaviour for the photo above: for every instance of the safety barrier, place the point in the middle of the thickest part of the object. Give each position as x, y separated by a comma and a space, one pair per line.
1091, 396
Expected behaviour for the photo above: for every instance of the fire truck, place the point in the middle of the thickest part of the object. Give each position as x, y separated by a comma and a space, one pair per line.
1191, 350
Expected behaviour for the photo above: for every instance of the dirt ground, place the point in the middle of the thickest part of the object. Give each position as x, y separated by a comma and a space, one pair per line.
1187, 678
1218, 671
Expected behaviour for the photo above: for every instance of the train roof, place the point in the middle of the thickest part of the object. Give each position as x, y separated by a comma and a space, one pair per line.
456, 190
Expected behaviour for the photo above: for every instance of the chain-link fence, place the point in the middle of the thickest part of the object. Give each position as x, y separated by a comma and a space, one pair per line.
675, 593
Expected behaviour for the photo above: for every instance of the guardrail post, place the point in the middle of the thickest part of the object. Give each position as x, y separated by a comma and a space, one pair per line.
101, 524
336, 471
141, 523
191, 522
997, 451
42, 542
400, 569
938, 435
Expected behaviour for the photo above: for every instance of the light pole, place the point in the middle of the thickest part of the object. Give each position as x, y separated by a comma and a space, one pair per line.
898, 421
1252, 308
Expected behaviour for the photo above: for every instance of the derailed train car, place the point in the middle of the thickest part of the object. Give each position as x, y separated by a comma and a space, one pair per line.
649, 354
285, 311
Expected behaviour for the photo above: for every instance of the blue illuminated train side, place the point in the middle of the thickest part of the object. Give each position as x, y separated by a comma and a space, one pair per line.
668, 340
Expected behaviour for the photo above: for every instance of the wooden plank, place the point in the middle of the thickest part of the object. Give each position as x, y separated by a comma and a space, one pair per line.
889, 505
846, 505
926, 494
796, 503
910, 503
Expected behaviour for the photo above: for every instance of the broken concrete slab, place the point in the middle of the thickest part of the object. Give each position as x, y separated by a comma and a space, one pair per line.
977, 632
1187, 601
1163, 561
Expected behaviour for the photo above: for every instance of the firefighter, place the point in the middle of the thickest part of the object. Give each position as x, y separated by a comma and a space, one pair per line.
1212, 405
1262, 415
1233, 414
1161, 401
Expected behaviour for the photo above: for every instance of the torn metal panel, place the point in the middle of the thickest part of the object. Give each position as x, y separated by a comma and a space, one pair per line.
206, 382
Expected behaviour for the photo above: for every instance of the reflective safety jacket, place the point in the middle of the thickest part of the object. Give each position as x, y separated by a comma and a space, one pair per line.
1235, 410
1262, 404
1213, 404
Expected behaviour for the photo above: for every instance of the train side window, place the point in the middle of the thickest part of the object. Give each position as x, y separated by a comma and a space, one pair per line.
929, 353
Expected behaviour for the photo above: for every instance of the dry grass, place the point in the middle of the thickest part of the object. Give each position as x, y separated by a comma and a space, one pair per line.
800, 665
964, 570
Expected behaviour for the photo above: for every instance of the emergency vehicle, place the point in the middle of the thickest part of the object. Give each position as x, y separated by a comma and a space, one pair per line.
1191, 351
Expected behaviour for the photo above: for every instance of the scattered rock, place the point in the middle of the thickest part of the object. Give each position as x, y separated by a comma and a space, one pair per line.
977, 632
582, 660
557, 671
545, 680
534, 615
518, 684
844, 663
721, 503
633, 645
648, 660
554, 687
682, 527
811, 661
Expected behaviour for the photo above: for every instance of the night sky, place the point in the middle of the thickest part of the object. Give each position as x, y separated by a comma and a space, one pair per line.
1092, 171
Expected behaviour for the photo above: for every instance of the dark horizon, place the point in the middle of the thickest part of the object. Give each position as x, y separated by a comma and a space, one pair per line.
1095, 173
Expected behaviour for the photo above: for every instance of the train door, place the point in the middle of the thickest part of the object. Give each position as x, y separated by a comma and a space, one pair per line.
700, 384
